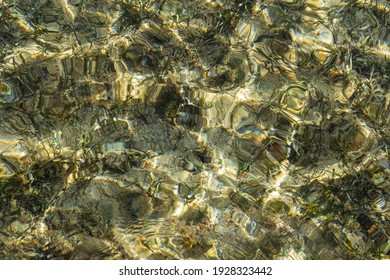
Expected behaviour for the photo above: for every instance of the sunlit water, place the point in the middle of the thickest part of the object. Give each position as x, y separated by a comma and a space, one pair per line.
194, 129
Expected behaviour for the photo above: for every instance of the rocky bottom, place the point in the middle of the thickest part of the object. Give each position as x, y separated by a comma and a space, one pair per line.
194, 129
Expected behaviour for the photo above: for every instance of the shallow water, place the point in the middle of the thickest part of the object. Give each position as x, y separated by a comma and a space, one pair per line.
194, 129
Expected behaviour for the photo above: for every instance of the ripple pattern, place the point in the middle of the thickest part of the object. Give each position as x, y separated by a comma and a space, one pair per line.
203, 129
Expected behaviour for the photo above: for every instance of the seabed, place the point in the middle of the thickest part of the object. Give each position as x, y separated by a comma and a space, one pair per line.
194, 129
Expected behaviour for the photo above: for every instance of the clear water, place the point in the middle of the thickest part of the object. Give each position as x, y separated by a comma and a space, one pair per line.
194, 129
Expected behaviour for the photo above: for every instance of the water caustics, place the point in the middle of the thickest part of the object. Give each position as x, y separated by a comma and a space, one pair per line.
195, 129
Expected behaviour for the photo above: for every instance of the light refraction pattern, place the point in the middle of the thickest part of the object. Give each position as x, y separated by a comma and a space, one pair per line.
201, 129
